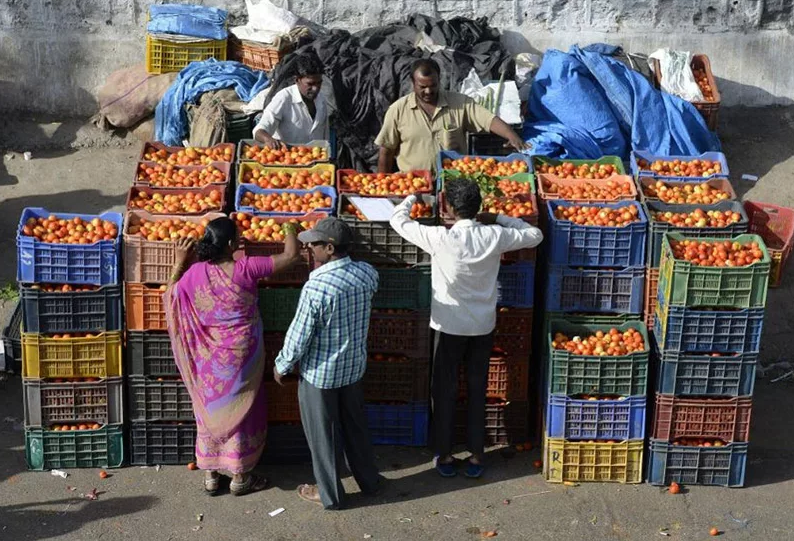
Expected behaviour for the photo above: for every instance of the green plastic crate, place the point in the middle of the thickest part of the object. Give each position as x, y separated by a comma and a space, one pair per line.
537, 161
47, 449
683, 284
624, 375
405, 289
278, 307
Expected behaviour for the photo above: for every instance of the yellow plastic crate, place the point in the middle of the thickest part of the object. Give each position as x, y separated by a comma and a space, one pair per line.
603, 462
244, 167
95, 357
163, 56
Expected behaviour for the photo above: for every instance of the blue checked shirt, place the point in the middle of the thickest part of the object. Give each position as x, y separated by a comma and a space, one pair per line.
328, 336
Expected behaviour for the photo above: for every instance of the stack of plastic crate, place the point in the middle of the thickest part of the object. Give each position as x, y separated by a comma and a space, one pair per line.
174, 188
708, 336
71, 339
595, 403
301, 172
507, 418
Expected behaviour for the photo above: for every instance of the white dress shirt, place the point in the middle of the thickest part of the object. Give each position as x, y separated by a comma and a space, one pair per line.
287, 118
465, 264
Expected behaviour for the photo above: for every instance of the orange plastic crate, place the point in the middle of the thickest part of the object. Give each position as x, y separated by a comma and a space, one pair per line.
145, 308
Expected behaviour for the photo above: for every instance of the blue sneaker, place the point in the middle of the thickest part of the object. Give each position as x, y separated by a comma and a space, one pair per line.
446, 470
474, 471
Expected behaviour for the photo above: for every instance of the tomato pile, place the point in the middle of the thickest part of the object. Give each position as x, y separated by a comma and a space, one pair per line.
68, 428
168, 230
685, 193
189, 156
703, 82
591, 398
610, 190
508, 206
418, 210
56, 230
183, 203
73, 380
698, 218
611, 342
297, 155
384, 183
169, 176
293, 180
598, 216
286, 202
489, 166
699, 442
717, 254
260, 229
585, 170
62, 288
66, 336
678, 168
511, 188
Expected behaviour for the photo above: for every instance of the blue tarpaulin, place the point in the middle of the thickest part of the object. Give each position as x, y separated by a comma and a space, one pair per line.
586, 104
171, 123
187, 20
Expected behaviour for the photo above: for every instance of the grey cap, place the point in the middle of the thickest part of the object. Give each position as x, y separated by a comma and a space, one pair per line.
331, 230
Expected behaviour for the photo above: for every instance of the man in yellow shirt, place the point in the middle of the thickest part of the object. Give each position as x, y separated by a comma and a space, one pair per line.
417, 126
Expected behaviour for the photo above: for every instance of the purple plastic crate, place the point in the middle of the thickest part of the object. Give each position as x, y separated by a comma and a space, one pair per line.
516, 285
581, 419
328, 191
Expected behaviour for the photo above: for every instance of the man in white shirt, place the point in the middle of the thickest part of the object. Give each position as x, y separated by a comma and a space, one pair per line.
465, 265
297, 114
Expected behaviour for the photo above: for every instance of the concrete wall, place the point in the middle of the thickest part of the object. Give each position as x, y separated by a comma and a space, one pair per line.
56, 54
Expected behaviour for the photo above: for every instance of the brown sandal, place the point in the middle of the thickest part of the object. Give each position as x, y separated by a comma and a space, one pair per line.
212, 484
304, 494
254, 483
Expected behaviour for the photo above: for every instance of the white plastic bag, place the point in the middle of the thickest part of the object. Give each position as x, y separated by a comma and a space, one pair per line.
266, 21
676, 74
509, 108
527, 65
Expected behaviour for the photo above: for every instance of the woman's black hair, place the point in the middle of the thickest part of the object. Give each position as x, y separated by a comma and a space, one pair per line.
464, 197
219, 235
302, 65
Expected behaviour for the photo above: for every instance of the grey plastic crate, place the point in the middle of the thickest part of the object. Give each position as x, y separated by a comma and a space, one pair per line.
162, 443
49, 403
149, 353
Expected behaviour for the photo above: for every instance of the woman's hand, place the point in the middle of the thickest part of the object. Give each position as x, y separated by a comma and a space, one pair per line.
184, 250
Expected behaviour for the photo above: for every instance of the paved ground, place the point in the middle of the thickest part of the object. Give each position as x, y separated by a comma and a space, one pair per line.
147, 504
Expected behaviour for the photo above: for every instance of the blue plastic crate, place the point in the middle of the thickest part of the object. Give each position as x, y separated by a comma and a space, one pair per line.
592, 246
253, 188
452, 155
637, 155
691, 330
401, 424
516, 285
720, 466
578, 419
571, 289
78, 264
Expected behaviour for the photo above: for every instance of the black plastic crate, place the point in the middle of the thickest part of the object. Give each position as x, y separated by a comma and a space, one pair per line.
149, 353
162, 443
286, 444
239, 126
155, 399
75, 311
488, 144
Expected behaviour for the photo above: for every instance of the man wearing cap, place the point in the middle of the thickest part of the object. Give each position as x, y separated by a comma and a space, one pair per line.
327, 342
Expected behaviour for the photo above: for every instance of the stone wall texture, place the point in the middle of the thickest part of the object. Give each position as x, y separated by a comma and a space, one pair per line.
56, 54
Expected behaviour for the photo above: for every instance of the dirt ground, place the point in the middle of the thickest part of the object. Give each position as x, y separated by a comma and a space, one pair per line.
78, 169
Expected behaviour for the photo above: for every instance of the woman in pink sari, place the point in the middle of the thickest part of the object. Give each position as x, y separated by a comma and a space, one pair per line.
217, 337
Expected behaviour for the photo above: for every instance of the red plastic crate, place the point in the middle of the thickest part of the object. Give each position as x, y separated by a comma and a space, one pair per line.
400, 332
395, 378
513, 332
506, 380
282, 402
775, 225
727, 419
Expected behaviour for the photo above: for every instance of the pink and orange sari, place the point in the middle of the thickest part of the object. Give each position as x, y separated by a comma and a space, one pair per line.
217, 337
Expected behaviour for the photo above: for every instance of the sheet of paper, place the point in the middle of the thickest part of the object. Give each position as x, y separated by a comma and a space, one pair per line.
374, 209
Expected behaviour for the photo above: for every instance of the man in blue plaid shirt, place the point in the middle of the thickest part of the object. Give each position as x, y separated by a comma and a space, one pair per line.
327, 340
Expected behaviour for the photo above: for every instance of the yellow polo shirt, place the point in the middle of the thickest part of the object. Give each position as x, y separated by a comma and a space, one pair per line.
417, 138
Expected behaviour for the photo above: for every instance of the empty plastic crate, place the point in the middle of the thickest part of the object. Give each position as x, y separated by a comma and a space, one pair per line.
77, 264
690, 330
593, 246
145, 307
398, 424
278, 307
242, 152
406, 289
776, 226
692, 374
513, 332
657, 229
147, 261
165, 56
582, 419
394, 378
150, 354
507, 380
578, 461
515, 285
399, 332
162, 443
595, 290
48, 449
96, 357
158, 399
282, 402
638, 171
727, 419
721, 466
506, 423
286, 444
48, 403
72, 312
379, 244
